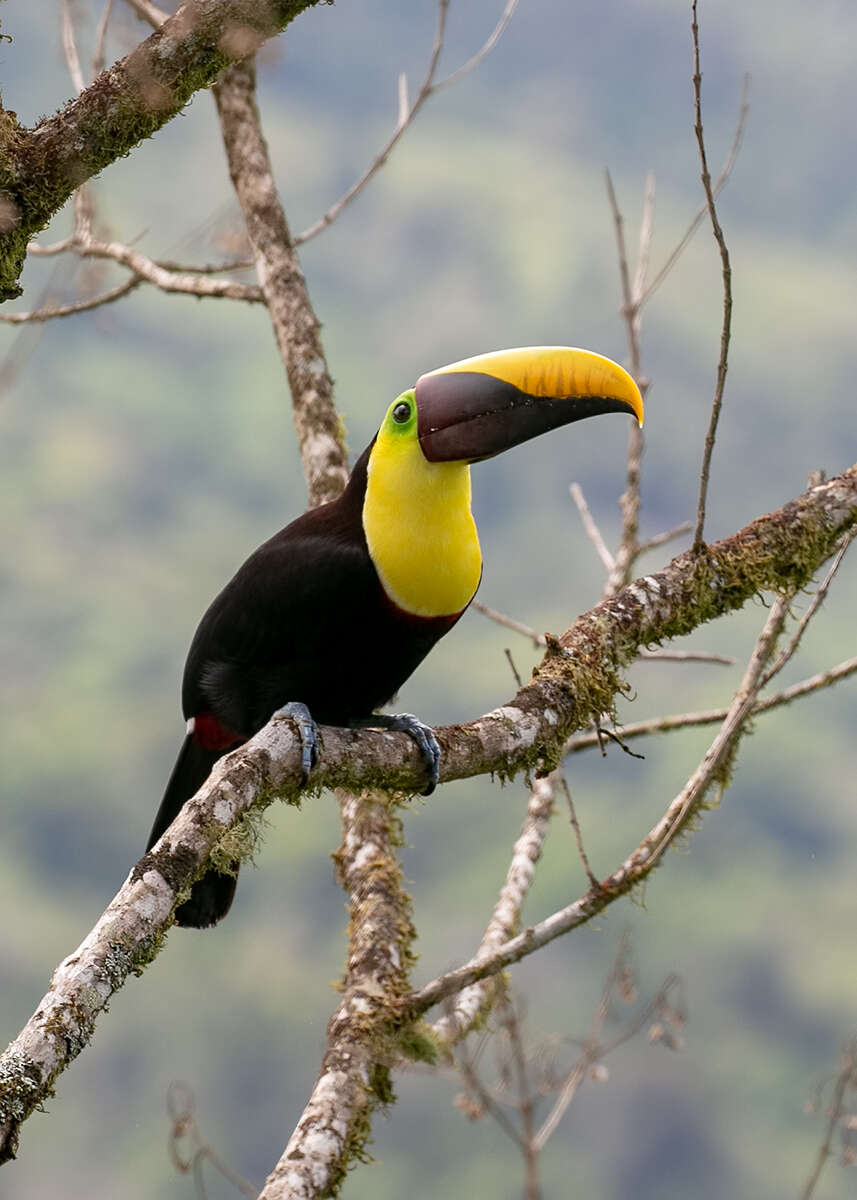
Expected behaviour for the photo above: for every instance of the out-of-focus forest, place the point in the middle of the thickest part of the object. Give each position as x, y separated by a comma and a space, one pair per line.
147, 447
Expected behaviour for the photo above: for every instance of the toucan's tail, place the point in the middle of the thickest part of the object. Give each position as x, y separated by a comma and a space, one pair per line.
211, 896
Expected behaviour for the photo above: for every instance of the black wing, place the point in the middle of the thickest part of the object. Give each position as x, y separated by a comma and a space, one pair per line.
272, 634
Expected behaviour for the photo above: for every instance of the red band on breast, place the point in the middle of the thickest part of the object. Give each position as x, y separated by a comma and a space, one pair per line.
212, 735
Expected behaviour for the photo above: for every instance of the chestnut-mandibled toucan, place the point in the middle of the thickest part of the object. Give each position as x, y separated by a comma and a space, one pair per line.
329, 617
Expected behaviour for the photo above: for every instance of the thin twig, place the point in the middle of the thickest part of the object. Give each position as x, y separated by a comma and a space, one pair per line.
817, 601
685, 656
101, 39
578, 837
66, 244
644, 251
405, 119
486, 49
526, 1107
594, 1049
467, 1066
66, 310
166, 280
505, 918
603, 734
82, 199
726, 270
643, 859
402, 123
147, 11
628, 549
847, 1078
41, 251
591, 1051
660, 539
516, 674
181, 1105
621, 250
669, 724
169, 277
702, 212
537, 639
239, 264
722, 750
69, 46
592, 530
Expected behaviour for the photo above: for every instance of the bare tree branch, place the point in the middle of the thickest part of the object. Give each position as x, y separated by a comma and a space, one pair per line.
575, 682
726, 269
489, 44
639, 864
661, 539
685, 656
134, 98
474, 1000
538, 639
296, 328
52, 311
169, 277
815, 683
626, 554
847, 1078
716, 765
69, 46
592, 530
594, 1049
42, 251
355, 1072
578, 836
238, 264
167, 280
101, 39
702, 212
407, 113
816, 603
147, 11
525, 1077
189, 1150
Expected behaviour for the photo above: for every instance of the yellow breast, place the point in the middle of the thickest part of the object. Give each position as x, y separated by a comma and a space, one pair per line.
419, 528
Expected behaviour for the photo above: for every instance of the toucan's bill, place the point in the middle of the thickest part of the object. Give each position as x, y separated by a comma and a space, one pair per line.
480, 406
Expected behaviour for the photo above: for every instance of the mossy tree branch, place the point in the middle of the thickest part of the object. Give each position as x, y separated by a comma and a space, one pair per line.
355, 1076
578, 679
42, 166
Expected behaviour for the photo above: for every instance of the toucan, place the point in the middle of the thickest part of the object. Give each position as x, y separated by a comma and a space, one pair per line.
330, 616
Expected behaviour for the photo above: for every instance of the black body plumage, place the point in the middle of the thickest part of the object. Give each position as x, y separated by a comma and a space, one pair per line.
304, 619
306, 624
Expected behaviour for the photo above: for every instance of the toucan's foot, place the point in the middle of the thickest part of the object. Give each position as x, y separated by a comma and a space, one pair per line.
426, 742
307, 732
422, 734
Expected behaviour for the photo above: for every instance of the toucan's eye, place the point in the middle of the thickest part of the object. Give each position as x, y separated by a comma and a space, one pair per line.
402, 413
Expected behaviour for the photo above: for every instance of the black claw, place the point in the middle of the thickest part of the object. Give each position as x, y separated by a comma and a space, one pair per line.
307, 732
422, 734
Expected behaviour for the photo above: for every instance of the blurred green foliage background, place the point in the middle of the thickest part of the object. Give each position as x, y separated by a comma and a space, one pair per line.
146, 448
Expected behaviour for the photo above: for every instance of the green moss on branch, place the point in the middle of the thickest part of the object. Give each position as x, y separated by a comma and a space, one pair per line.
41, 167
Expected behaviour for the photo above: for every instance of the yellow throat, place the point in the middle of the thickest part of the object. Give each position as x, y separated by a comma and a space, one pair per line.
419, 528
